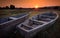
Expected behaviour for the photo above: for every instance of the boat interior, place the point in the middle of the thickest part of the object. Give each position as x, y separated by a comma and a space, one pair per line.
46, 17
3, 20
30, 24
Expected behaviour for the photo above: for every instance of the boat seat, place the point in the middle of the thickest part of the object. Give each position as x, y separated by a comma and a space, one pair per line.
44, 17
25, 27
49, 14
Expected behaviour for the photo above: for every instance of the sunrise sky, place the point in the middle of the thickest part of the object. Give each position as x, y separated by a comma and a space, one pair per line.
30, 3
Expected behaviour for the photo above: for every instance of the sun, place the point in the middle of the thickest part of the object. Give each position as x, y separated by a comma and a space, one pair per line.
36, 6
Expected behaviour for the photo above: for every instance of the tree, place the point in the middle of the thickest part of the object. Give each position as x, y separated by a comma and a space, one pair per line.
6, 7
0, 7
12, 7
56, 7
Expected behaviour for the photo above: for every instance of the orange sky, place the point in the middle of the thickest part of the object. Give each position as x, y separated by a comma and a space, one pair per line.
30, 3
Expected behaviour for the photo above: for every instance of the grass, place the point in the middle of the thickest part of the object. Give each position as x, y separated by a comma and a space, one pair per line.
7, 13
51, 32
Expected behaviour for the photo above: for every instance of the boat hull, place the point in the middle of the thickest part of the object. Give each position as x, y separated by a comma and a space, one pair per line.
10, 26
46, 23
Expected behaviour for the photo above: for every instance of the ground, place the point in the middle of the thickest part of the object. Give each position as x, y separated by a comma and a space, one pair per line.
51, 32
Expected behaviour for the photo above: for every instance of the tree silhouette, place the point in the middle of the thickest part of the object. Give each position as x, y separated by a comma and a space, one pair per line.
56, 7
12, 7
6, 7
0, 7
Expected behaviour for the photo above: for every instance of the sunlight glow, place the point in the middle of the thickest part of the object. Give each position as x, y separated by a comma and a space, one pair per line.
36, 6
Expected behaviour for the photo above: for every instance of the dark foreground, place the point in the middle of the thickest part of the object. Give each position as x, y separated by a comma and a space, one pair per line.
51, 32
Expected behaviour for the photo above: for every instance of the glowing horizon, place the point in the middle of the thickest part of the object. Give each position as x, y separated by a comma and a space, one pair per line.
30, 3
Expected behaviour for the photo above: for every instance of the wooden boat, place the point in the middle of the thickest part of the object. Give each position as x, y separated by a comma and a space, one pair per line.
7, 25
37, 23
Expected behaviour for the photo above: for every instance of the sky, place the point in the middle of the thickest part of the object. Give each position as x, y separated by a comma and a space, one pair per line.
30, 3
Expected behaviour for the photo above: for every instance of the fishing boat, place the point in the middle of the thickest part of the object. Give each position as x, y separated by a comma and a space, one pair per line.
8, 24
30, 27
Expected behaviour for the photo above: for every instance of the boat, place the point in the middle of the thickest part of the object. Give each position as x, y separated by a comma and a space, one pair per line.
8, 24
32, 26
